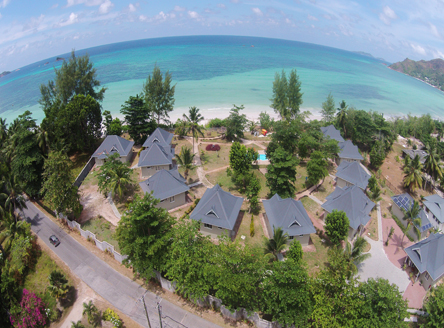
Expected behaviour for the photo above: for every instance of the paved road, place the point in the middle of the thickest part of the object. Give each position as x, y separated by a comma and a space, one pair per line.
120, 291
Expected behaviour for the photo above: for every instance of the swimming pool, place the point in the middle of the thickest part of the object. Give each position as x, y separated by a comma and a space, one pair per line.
262, 157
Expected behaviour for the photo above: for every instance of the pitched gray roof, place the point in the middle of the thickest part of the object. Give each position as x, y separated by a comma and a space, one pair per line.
354, 173
412, 154
405, 201
332, 132
353, 202
165, 184
218, 207
435, 204
113, 144
160, 136
428, 255
288, 214
155, 155
349, 150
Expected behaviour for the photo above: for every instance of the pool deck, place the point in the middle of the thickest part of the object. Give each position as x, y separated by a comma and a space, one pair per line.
262, 162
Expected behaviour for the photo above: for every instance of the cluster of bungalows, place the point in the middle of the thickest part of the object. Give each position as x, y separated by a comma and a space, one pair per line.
351, 182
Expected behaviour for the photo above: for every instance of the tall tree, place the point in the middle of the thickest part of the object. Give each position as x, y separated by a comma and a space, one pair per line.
286, 134
431, 164
316, 168
159, 94
252, 191
336, 226
434, 306
112, 126
76, 77
274, 246
58, 189
287, 95
12, 197
281, 174
58, 284
341, 116
241, 159
413, 175
115, 176
193, 120
185, 158
266, 121
411, 216
328, 109
144, 234
139, 118
295, 251
235, 123
355, 255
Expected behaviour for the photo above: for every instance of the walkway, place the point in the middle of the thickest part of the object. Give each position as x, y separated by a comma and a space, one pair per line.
120, 291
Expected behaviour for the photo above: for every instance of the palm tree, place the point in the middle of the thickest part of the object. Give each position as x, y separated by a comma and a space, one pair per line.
193, 121
90, 310
252, 126
407, 161
13, 195
341, 116
181, 128
120, 179
185, 159
412, 218
356, 255
274, 246
58, 284
77, 324
431, 165
43, 140
3, 129
9, 228
413, 175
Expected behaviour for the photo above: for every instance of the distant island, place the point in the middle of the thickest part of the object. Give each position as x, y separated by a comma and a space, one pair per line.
362, 53
5, 73
431, 72
60, 58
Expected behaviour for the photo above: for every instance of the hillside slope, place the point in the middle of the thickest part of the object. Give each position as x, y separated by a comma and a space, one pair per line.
431, 71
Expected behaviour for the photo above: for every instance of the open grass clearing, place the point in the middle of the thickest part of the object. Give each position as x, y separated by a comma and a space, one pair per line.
301, 174
316, 260
311, 206
325, 189
192, 174
103, 230
244, 229
179, 143
372, 227
212, 160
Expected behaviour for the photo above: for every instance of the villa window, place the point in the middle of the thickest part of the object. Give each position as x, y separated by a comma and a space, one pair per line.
427, 276
172, 199
290, 237
162, 200
220, 228
208, 226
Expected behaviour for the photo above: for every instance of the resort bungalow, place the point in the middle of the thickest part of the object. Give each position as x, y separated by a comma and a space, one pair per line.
160, 137
168, 186
218, 212
356, 205
405, 202
111, 145
434, 207
348, 153
291, 216
155, 158
412, 153
352, 173
427, 256
332, 133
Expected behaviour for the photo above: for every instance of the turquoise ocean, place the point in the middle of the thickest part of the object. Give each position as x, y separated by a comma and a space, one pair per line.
215, 72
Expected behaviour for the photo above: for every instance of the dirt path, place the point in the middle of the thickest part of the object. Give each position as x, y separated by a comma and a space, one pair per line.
94, 204
84, 295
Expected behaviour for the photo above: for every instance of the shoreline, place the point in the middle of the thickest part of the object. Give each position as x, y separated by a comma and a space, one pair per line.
417, 78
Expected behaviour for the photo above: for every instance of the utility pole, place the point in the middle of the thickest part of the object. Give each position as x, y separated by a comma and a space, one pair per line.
146, 312
160, 314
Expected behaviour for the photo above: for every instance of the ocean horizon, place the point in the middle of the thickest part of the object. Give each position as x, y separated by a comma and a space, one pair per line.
215, 72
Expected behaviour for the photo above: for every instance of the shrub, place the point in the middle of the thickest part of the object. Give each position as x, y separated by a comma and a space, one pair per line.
212, 147
252, 226
31, 312
113, 317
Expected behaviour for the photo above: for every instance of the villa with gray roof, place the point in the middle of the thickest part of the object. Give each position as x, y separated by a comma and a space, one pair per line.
404, 202
168, 186
332, 133
111, 145
348, 153
160, 137
412, 154
291, 216
155, 158
434, 207
218, 212
352, 173
427, 256
356, 205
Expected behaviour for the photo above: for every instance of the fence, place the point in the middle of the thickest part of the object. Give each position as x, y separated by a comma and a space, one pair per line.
102, 245
84, 172
391, 186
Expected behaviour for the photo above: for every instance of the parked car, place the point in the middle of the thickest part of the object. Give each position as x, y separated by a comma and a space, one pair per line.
54, 240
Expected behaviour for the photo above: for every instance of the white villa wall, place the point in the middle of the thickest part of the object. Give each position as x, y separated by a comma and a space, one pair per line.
215, 231
148, 171
303, 239
342, 183
123, 159
339, 160
179, 200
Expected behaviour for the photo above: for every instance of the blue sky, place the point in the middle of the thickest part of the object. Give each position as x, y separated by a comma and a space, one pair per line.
34, 30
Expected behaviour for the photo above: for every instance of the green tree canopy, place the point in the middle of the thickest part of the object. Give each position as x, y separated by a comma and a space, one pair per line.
139, 118
235, 123
114, 176
159, 94
316, 168
286, 134
328, 109
336, 226
185, 158
193, 119
295, 251
266, 121
275, 245
144, 234
287, 95
281, 174
434, 306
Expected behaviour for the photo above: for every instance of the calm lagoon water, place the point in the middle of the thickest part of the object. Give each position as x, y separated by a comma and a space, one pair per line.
215, 72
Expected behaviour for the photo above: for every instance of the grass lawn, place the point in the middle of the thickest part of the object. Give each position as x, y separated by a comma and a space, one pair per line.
212, 160
179, 143
192, 174
103, 230
249, 136
244, 230
79, 160
311, 206
372, 228
221, 178
325, 189
316, 260
91, 179
37, 280
301, 173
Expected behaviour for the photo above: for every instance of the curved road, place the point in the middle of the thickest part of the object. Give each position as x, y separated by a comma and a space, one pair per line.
120, 291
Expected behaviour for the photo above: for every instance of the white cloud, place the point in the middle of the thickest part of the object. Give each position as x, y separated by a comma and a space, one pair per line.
4, 3
179, 8
193, 14
73, 18
143, 18
221, 5
0, 15
106, 7
310, 17
257, 11
387, 15
234, 1
54, 6
438, 54
89, 3
417, 48
131, 8
434, 30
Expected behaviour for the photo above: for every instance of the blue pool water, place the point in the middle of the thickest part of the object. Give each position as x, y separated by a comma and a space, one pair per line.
262, 157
